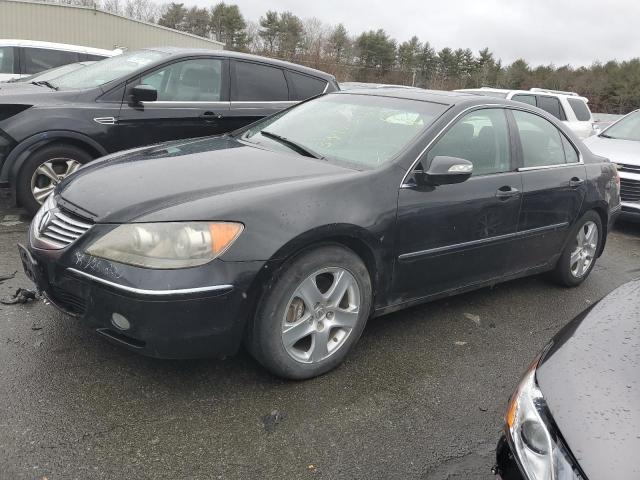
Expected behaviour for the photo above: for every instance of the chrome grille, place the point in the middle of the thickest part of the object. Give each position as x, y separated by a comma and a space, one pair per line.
629, 190
64, 228
623, 167
55, 228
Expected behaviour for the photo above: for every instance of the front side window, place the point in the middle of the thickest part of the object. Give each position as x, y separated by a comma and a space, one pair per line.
528, 99
38, 59
552, 106
197, 80
361, 131
580, 108
628, 128
259, 83
108, 69
481, 137
540, 139
6, 60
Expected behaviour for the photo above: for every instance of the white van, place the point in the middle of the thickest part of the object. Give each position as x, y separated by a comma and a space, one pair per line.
569, 107
20, 58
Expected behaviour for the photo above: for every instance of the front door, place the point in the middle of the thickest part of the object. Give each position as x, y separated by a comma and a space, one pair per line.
192, 102
553, 190
453, 236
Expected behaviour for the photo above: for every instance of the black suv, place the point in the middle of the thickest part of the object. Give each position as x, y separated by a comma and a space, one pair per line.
48, 129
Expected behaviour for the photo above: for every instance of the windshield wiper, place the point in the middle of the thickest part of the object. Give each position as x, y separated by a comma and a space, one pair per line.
306, 151
45, 83
604, 135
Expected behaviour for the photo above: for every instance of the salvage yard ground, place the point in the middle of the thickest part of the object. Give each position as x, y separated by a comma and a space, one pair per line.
421, 396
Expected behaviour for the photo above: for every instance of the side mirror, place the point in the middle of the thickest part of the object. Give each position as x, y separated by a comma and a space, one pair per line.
144, 93
445, 171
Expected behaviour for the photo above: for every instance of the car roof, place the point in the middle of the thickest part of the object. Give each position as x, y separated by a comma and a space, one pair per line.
178, 52
57, 46
531, 91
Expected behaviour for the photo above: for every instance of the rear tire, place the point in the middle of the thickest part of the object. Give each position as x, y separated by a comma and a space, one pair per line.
579, 256
312, 313
43, 170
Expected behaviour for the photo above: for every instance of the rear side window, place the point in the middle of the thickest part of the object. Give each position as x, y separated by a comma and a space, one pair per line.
552, 106
259, 83
6, 60
580, 108
528, 99
305, 86
482, 138
540, 139
38, 59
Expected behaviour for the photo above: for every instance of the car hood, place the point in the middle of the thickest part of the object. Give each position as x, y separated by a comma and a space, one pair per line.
123, 187
618, 151
590, 379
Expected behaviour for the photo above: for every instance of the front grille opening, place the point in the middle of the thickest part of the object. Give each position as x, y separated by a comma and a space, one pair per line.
629, 190
119, 337
68, 301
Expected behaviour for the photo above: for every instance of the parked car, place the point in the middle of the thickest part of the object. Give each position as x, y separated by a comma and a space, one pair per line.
20, 58
135, 99
569, 107
290, 233
576, 413
620, 143
47, 75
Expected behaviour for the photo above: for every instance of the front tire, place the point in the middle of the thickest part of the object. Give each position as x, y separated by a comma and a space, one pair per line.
579, 256
44, 170
312, 314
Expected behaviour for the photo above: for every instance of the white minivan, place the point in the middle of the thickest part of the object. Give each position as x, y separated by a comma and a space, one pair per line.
569, 107
20, 58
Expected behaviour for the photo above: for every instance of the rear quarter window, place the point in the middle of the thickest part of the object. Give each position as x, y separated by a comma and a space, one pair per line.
305, 86
551, 105
580, 108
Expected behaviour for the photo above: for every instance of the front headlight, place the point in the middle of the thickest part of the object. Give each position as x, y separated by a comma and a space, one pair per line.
540, 452
166, 245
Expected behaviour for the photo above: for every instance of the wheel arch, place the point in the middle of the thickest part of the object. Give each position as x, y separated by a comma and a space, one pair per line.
354, 238
17, 157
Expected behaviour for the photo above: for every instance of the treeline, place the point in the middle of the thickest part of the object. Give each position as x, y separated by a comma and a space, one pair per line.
374, 56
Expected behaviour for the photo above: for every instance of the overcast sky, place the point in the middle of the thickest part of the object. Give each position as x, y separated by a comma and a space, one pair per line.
540, 31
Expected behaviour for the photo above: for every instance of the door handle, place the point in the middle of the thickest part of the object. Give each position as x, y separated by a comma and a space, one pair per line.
210, 116
507, 191
575, 182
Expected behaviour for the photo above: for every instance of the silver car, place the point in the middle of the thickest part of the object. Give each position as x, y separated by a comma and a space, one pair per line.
620, 143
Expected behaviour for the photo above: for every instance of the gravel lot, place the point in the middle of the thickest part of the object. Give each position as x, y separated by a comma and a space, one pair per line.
422, 395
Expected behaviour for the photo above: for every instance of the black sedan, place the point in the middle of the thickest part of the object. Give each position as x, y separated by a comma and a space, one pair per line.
576, 413
51, 127
288, 235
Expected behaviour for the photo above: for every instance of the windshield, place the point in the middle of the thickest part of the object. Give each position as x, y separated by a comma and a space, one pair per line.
107, 70
626, 129
364, 131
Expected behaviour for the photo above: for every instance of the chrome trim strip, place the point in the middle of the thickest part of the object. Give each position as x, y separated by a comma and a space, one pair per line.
473, 243
547, 167
326, 87
634, 206
173, 103
292, 102
142, 291
105, 120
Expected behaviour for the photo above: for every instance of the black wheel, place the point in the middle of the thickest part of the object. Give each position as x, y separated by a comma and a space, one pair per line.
579, 256
311, 315
43, 170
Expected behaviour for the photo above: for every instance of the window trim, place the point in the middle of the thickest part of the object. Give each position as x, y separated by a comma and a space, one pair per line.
507, 108
521, 167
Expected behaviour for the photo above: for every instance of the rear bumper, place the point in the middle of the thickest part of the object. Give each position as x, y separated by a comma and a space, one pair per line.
201, 320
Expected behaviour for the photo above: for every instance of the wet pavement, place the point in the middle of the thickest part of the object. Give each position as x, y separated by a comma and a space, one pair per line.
421, 396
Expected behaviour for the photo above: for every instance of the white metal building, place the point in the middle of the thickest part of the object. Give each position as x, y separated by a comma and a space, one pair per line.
51, 22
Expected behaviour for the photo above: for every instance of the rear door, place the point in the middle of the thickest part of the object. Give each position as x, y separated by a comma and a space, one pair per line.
257, 90
452, 236
192, 102
553, 189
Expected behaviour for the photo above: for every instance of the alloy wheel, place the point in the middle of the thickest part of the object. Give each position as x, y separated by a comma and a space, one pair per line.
321, 314
586, 244
49, 174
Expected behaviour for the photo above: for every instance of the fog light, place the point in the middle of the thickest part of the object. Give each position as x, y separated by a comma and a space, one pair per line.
120, 321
